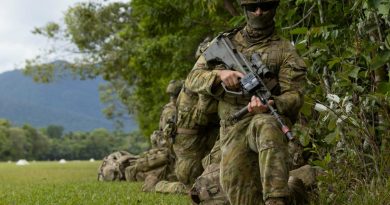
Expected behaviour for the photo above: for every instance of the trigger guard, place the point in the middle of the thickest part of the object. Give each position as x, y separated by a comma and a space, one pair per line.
230, 91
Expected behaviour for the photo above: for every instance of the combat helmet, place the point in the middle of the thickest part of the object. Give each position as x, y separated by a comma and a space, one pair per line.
174, 87
244, 2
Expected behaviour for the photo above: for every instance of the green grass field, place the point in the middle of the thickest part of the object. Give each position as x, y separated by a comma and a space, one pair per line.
71, 183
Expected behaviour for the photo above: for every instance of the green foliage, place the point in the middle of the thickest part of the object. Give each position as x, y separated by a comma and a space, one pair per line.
71, 183
139, 50
344, 46
54, 131
50, 144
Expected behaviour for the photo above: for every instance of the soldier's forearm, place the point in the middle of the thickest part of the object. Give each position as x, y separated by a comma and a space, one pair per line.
204, 82
288, 102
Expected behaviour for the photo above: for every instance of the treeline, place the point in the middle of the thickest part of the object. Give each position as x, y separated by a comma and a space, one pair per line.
51, 143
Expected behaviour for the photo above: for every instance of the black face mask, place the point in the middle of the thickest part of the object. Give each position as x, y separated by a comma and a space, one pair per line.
263, 21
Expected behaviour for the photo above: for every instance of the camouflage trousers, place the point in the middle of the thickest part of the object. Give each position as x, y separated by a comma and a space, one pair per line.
214, 156
190, 149
254, 162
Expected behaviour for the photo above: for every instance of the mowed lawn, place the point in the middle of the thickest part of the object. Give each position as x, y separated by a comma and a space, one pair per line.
71, 183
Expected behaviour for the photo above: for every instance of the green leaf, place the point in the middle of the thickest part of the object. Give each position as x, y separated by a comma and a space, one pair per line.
305, 139
383, 87
332, 137
358, 88
332, 125
384, 8
307, 106
333, 62
300, 30
328, 158
323, 163
387, 41
354, 73
319, 163
380, 60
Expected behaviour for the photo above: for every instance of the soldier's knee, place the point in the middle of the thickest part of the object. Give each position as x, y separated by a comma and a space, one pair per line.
188, 170
268, 134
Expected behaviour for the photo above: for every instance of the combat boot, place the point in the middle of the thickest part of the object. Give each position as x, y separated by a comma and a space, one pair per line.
275, 201
298, 193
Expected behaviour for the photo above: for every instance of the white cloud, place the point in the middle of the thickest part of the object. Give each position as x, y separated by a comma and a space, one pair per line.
17, 19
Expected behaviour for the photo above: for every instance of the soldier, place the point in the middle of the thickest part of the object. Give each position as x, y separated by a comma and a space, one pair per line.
195, 137
254, 165
168, 116
197, 130
158, 163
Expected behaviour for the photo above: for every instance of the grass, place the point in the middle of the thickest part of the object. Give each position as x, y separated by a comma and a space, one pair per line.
71, 183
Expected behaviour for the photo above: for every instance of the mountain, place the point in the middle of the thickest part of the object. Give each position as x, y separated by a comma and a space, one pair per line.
71, 103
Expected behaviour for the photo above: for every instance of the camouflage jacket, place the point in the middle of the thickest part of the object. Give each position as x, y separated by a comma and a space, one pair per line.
167, 125
168, 115
280, 57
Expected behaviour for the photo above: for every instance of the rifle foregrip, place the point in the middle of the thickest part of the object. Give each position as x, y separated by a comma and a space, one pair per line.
238, 115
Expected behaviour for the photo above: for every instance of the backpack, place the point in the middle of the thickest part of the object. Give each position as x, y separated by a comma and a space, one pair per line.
158, 162
152, 159
114, 165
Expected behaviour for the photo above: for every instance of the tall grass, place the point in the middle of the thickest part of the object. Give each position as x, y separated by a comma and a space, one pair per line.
71, 183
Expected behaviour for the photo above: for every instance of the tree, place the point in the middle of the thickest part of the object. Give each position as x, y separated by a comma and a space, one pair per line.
39, 143
54, 131
5, 144
98, 144
20, 147
131, 47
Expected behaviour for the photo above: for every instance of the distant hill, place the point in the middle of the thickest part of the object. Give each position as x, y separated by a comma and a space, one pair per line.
71, 103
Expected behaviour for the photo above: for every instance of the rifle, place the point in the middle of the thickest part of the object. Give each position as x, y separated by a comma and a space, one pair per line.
221, 49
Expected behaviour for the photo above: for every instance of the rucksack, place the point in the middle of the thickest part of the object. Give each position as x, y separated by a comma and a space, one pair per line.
152, 159
114, 165
158, 162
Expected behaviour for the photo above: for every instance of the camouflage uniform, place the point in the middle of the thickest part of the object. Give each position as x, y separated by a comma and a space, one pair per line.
194, 136
167, 124
207, 188
254, 150
158, 163
197, 130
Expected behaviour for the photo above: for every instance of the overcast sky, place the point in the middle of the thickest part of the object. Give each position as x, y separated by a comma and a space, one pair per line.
18, 18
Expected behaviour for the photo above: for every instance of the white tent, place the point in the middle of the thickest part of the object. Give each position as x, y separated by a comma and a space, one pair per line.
22, 162
92, 160
62, 161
